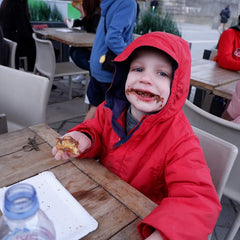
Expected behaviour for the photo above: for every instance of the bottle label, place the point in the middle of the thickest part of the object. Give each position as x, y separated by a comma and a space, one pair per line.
21, 234
38, 233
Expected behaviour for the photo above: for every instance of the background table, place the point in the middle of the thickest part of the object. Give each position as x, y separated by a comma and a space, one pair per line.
208, 75
116, 206
215, 80
226, 90
73, 37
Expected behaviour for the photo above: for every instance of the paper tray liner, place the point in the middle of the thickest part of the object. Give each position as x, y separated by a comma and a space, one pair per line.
70, 219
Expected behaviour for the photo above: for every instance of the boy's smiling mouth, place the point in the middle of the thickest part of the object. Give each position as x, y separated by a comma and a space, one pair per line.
145, 95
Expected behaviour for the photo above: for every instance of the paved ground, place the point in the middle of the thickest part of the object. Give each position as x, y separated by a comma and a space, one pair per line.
201, 36
62, 117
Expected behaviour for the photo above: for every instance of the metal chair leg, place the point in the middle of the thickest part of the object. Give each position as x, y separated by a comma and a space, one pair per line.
70, 87
234, 228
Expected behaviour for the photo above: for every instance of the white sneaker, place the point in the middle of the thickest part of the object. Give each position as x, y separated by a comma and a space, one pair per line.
78, 78
83, 82
69, 22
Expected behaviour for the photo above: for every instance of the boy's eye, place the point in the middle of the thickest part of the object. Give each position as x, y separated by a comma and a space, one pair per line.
137, 69
163, 74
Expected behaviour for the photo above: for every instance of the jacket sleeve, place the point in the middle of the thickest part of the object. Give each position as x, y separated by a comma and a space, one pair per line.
93, 128
233, 107
78, 22
191, 207
225, 51
123, 19
89, 25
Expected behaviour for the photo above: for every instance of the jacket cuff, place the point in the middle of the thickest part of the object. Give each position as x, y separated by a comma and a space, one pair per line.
146, 230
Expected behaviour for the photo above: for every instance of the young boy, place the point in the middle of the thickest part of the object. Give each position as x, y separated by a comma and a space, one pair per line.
142, 135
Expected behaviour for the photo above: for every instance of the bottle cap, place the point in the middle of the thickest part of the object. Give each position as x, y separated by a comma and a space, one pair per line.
20, 201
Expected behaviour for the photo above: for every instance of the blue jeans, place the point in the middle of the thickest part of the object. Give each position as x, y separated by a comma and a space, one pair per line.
80, 56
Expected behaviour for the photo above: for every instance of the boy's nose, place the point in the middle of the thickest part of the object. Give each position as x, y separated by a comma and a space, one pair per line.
146, 78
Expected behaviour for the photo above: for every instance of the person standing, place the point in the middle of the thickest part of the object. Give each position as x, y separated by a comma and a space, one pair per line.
228, 57
90, 15
15, 22
228, 54
114, 32
154, 5
225, 15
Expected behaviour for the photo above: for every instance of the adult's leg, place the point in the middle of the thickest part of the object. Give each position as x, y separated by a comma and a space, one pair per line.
96, 95
91, 113
27, 50
80, 57
224, 27
220, 29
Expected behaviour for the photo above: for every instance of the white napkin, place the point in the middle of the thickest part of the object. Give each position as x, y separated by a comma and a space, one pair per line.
63, 30
70, 219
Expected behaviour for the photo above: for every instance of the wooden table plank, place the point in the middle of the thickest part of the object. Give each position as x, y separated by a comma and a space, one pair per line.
129, 232
209, 75
226, 90
20, 165
46, 133
117, 187
111, 215
75, 181
16, 140
76, 38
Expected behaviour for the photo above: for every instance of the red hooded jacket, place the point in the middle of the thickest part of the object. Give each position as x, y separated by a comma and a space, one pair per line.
161, 156
228, 55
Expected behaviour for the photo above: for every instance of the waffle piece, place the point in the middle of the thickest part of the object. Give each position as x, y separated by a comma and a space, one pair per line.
67, 144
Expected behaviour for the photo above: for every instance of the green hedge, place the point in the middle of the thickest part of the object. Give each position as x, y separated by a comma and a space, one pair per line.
156, 21
41, 11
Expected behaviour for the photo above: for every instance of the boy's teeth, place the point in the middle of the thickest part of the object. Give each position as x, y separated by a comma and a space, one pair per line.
144, 94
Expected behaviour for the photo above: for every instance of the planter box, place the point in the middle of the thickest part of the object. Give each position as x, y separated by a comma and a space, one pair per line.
50, 24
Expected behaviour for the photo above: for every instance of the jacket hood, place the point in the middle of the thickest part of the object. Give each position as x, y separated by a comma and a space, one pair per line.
104, 5
235, 28
175, 47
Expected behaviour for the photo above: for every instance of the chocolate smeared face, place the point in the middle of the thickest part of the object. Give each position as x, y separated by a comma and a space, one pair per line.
148, 83
145, 95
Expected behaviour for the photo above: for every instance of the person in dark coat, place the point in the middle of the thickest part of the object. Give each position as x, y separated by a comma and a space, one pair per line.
224, 16
4, 50
15, 22
154, 5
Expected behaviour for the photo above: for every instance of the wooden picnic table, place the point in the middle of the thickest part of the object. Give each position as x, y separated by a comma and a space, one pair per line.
116, 206
226, 90
73, 37
208, 75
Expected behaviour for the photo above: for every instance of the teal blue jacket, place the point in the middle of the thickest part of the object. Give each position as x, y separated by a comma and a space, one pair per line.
120, 19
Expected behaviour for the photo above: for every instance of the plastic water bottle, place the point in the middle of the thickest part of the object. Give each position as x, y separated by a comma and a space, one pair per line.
22, 218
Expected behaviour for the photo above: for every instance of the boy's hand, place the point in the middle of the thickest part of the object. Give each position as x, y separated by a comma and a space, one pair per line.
79, 140
154, 236
68, 22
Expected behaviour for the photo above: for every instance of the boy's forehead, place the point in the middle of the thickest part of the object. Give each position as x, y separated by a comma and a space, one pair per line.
146, 50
